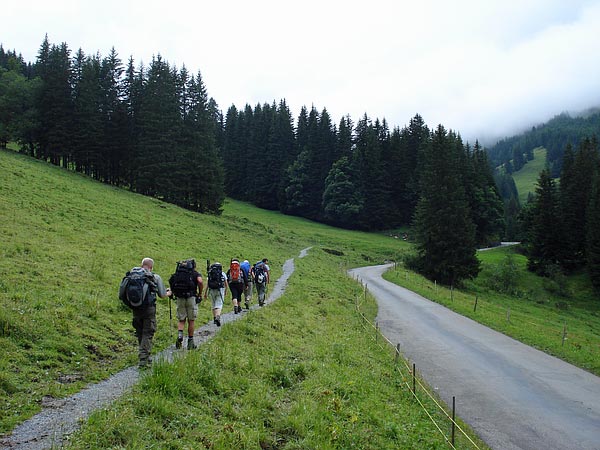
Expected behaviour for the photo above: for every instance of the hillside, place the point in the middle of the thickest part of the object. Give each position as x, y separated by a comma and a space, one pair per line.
553, 135
526, 178
293, 372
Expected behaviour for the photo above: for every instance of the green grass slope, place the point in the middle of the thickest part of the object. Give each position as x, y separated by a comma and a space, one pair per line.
301, 373
526, 178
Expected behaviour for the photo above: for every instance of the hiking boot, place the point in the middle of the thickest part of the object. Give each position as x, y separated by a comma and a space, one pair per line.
145, 364
178, 343
261, 303
236, 310
218, 321
191, 345
247, 305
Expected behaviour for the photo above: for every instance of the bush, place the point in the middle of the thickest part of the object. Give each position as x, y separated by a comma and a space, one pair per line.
506, 277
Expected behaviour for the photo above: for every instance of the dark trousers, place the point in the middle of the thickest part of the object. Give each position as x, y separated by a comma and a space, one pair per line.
144, 322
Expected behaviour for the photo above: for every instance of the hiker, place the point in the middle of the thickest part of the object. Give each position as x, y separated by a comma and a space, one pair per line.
144, 316
216, 289
237, 283
247, 268
262, 277
186, 284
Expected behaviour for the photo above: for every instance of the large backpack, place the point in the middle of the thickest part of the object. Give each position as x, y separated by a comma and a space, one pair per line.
260, 276
215, 276
235, 273
183, 282
137, 288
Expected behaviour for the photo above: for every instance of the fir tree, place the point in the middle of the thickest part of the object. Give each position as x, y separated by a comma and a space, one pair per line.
342, 203
578, 172
445, 233
545, 228
593, 235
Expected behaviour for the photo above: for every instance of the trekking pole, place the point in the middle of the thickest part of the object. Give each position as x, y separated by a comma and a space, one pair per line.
171, 315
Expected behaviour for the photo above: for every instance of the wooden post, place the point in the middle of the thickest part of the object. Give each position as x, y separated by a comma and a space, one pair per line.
376, 331
508, 315
413, 380
397, 354
451, 293
475, 307
564, 336
453, 417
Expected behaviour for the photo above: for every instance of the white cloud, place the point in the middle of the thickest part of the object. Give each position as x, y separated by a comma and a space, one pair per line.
486, 69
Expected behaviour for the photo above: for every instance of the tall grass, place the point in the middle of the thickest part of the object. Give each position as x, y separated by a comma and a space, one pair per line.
298, 374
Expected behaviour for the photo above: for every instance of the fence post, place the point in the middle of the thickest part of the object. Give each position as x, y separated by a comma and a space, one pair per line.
564, 336
365, 292
451, 293
508, 315
376, 331
475, 307
397, 354
453, 417
413, 380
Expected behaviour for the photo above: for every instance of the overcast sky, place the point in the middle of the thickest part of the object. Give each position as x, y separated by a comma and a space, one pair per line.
484, 68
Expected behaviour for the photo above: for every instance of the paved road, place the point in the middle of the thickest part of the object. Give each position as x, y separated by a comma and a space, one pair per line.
515, 397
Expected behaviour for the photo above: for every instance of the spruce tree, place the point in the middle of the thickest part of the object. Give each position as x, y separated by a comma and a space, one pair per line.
342, 203
578, 172
114, 118
445, 233
486, 205
371, 181
55, 103
593, 235
545, 246
159, 126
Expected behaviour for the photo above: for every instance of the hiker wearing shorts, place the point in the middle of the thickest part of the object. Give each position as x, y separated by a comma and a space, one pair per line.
247, 268
237, 283
144, 319
262, 277
216, 289
187, 301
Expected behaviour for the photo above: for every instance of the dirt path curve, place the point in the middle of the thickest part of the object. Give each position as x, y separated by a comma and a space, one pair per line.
61, 417
515, 397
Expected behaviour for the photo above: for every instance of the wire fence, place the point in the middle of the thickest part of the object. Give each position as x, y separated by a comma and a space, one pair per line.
418, 389
471, 304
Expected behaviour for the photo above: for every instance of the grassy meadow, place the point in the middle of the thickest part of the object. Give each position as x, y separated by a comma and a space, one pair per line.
526, 178
301, 373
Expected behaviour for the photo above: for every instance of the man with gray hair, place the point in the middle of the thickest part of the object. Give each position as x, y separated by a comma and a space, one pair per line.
144, 317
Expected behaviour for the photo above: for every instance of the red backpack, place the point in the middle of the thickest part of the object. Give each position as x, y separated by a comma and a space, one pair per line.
235, 273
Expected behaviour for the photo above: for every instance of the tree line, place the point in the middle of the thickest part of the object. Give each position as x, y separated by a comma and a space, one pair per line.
513, 152
562, 222
151, 129
155, 131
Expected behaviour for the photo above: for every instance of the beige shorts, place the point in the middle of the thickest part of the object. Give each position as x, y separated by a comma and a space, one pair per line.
187, 309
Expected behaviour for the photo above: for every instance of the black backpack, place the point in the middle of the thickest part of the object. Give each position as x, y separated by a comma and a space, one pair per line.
183, 281
215, 276
137, 288
260, 277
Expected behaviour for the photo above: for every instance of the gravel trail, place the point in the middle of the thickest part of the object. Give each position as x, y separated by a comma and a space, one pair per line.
60, 417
